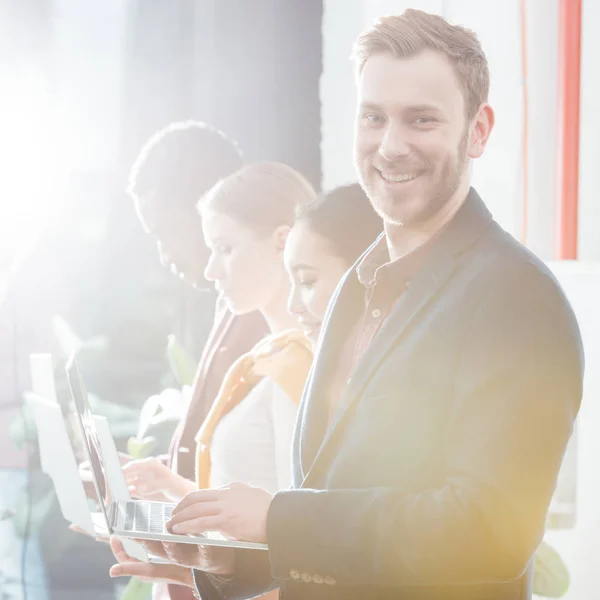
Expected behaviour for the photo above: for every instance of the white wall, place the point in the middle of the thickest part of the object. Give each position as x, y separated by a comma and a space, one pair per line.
89, 41
497, 175
342, 22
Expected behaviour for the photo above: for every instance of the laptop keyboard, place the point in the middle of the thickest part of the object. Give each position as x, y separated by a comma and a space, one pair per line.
147, 517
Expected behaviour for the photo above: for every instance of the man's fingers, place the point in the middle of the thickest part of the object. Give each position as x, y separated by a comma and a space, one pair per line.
198, 526
153, 547
154, 573
132, 569
119, 552
115, 544
195, 511
198, 497
180, 554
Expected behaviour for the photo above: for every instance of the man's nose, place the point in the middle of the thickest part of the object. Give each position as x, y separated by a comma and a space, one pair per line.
394, 143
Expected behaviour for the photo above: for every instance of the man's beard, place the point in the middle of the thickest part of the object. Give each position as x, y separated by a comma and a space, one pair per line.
438, 193
447, 184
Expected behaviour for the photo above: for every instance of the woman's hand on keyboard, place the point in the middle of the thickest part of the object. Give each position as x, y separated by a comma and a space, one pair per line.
130, 567
151, 479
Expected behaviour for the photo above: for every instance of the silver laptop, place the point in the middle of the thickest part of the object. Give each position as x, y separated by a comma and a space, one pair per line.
128, 518
67, 456
59, 446
59, 463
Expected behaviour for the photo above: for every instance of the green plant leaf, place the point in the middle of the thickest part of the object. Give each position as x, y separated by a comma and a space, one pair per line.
550, 575
137, 590
141, 448
182, 364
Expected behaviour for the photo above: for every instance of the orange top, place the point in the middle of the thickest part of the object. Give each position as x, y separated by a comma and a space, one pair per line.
286, 358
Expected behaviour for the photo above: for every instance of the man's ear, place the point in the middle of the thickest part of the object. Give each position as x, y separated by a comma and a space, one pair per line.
280, 236
481, 128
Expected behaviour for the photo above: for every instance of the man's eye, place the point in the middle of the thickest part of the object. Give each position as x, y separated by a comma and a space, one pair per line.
424, 121
223, 249
307, 283
372, 118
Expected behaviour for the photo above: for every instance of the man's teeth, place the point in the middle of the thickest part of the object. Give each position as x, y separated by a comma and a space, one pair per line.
399, 178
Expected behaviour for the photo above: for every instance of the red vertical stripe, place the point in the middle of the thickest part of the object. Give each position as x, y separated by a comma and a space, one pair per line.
567, 163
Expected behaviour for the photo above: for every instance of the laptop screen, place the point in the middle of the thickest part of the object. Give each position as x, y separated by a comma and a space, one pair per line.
82, 431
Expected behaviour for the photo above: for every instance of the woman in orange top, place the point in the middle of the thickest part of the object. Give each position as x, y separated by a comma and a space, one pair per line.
247, 435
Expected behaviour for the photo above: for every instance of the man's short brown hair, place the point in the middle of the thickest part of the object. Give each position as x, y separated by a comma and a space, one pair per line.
414, 31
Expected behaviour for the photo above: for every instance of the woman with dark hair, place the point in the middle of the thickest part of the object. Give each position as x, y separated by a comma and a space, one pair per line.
327, 239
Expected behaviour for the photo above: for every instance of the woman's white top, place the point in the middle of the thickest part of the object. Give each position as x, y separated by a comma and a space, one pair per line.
252, 443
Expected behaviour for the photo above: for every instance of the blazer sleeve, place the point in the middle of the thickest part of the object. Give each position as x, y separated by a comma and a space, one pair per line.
252, 578
517, 392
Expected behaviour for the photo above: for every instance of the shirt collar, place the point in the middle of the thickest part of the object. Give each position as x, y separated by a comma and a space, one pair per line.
375, 258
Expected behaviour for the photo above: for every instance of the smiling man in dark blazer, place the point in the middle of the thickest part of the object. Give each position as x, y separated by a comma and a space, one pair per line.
448, 377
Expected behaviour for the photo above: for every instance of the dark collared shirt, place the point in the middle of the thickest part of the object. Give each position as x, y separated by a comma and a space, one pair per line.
384, 281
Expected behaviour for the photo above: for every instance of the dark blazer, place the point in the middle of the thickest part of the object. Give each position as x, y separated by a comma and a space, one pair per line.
230, 337
436, 475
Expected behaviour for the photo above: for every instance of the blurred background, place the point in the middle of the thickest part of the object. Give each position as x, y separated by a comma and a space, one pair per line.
84, 84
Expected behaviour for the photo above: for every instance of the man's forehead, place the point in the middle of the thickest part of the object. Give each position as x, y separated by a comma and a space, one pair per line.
425, 79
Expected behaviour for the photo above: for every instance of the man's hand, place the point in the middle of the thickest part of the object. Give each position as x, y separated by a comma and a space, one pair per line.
151, 479
210, 559
130, 567
237, 510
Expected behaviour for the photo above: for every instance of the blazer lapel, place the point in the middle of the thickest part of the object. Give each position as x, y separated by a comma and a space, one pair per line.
345, 308
424, 288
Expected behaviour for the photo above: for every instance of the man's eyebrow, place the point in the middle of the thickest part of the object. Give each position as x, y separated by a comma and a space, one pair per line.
369, 106
424, 108
414, 108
